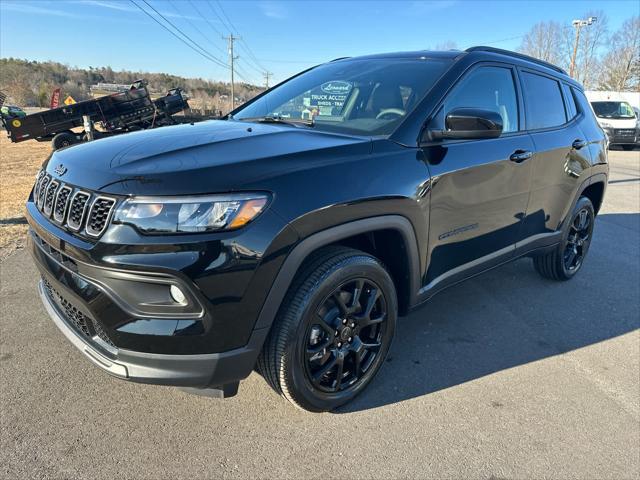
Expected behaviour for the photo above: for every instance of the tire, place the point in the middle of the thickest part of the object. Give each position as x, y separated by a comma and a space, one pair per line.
565, 260
323, 348
63, 139
628, 147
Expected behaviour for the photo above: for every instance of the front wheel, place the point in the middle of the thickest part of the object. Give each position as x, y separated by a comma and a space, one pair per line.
333, 330
564, 261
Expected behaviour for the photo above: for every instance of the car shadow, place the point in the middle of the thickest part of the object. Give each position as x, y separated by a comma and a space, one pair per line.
511, 316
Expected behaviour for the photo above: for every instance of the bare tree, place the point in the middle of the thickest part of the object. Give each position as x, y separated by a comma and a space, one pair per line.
553, 42
621, 65
546, 41
592, 38
448, 45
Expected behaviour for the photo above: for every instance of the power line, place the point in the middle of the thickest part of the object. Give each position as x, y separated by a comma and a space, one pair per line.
215, 12
233, 28
245, 46
196, 27
193, 45
218, 32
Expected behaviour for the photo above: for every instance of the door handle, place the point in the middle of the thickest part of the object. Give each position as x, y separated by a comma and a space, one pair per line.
520, 156
578, 144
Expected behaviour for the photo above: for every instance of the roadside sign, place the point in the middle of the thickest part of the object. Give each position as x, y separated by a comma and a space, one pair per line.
69, 100
55, 99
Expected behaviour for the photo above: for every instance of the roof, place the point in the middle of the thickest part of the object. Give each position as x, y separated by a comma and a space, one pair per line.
455, 54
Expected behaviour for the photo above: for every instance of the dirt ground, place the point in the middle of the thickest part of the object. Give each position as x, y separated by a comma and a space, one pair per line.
19, 164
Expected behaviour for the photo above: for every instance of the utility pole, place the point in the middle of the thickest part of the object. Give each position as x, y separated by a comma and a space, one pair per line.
232, 39
578, 24
267, 75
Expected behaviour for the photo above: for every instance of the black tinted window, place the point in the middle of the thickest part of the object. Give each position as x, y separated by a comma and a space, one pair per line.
572, 111
543, 100
488, 88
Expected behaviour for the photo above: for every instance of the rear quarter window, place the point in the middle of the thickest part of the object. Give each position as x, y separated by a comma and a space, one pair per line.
544, 105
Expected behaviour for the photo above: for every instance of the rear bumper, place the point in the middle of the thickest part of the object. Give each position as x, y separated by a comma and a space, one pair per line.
200, 371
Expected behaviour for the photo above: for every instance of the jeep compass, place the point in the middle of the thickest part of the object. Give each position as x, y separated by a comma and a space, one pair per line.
289, 236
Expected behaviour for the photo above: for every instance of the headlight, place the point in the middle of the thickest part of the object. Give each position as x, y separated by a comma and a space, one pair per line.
191, 214
606, 125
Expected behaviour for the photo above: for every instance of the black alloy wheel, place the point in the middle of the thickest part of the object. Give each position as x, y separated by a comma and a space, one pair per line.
333, 330
345, 338
578, 239
567, 258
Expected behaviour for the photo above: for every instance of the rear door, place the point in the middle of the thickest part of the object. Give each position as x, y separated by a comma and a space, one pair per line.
561, 155
479, 188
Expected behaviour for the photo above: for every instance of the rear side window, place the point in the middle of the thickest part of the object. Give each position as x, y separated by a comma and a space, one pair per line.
572, 111
583, 104
543, 100
488, 88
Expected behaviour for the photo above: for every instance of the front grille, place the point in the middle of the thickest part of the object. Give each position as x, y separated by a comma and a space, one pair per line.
102, 334
624, 132
99, 215
78, 320
49, 197
42, 188
77, 209
82, 211
62, 199
75, 317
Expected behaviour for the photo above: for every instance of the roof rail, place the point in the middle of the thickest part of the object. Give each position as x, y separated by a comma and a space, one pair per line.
516, 55
339, 58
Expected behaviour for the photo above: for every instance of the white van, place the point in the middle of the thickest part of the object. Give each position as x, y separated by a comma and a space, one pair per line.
619, 121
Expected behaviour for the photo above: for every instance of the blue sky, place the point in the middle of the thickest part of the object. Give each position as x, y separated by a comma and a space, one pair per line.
283, 36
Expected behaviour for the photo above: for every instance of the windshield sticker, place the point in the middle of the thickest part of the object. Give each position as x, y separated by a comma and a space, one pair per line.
330, 97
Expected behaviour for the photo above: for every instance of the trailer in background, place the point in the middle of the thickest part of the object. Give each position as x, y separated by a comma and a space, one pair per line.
117, 113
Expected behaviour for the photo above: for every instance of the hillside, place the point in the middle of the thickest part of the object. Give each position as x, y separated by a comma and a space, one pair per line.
30, 83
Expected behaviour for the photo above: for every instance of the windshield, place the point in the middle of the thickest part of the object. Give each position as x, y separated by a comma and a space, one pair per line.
619, 110
362, 97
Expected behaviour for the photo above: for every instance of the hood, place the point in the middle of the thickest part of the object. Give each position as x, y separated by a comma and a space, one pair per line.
206, 157
617, 122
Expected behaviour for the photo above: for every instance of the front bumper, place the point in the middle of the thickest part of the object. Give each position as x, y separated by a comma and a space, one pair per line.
90, 299
623, 136
199, 371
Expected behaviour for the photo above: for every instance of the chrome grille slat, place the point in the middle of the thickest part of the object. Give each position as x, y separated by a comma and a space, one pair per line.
49, 197
99, 215
84, 212
77, 209
42, 189
36, 188
62, 200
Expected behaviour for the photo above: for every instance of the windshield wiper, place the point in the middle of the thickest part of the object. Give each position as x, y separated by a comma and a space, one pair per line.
278, 119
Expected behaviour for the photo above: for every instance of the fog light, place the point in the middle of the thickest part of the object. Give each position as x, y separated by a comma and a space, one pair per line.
177, 295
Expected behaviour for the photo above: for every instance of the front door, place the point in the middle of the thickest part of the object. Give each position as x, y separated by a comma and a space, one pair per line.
480, 188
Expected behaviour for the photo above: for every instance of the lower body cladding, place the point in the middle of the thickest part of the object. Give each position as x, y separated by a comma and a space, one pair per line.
67, 296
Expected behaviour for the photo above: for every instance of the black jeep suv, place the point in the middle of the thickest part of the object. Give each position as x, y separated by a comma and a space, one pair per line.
289, 236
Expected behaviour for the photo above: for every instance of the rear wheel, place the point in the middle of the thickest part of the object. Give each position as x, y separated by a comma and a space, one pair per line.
333, 330
564, 261
63, 139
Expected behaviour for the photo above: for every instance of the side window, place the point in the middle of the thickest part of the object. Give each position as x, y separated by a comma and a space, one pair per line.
488, 88
572, 110
543, 101
583, 104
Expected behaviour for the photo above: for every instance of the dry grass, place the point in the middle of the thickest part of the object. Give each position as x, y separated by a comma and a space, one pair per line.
19, 164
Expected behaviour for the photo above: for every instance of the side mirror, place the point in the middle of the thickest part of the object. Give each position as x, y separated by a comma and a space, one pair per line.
469, 123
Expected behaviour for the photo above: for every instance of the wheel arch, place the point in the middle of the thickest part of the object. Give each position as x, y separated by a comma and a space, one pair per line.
595, 191
370, 235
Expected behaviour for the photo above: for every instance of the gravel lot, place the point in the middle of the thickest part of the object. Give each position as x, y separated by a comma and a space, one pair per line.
504, 376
